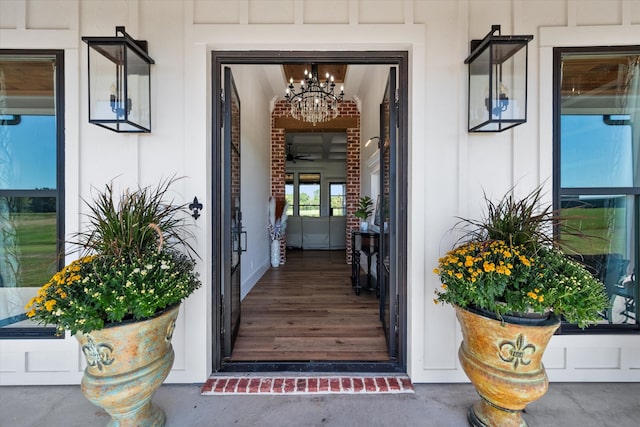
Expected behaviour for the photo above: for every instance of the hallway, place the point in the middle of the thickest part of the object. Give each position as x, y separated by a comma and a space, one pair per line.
306, 310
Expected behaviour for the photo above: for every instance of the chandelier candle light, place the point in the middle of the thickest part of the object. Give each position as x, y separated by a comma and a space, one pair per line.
316, 101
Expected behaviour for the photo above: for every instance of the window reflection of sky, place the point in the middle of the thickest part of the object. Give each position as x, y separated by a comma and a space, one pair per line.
30, 151
595, 154
337, 189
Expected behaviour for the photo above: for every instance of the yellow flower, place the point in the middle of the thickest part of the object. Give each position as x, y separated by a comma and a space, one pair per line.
30, 304
541, 298
48, 305
444, 286
436, 271
435, 301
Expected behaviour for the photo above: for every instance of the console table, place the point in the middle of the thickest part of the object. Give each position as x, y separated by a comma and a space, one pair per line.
369, 244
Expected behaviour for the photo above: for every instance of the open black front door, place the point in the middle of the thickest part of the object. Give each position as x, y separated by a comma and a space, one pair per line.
232, 216
388, 226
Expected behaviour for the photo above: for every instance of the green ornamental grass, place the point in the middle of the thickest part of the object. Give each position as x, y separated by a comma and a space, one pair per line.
135, 262
506, 263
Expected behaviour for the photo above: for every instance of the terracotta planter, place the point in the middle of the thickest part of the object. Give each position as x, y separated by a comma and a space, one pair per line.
503, 360
126, 364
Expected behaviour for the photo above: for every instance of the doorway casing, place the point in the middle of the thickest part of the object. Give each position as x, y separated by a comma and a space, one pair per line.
398, 59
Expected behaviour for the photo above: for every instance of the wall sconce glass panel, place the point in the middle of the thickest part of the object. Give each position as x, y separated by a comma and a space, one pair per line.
119, 83
497, 82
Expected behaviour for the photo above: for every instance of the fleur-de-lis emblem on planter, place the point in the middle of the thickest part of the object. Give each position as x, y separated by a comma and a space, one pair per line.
516, 352
97, 354
170, 329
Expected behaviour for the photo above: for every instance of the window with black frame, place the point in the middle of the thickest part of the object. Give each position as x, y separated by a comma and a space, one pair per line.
31, 178
289, 192
338, 198
309, 194
597, 170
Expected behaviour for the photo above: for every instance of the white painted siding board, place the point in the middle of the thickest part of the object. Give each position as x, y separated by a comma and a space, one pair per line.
601, 35
381, 11
555, 358
216, 12
272, 12
484, 13
600, 357
42, 17
597, 12
326, 12
438, 12
439, 156
551, 12
100, 17
10, 361
8, 16
631, 357
47, 361
633, 8
38, 39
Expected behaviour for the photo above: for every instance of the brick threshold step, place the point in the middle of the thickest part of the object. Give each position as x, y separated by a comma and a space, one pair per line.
301, 385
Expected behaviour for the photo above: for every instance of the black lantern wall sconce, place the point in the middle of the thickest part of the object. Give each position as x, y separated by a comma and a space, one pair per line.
497, 81
119, 83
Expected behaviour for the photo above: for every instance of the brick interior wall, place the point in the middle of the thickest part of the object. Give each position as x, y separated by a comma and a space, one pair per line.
345, 109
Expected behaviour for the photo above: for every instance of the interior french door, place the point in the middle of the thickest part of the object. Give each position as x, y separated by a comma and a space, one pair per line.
232, 216
388, 227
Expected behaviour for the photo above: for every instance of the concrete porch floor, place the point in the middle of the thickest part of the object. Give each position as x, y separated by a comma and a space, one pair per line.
432, 405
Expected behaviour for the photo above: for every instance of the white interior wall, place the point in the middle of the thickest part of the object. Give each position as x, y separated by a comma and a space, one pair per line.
255, 122
448, 168
372, 91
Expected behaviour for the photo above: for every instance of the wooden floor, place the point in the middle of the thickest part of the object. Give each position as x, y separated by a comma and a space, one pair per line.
306, 310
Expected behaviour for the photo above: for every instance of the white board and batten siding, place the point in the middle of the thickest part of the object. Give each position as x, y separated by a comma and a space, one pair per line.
436, 33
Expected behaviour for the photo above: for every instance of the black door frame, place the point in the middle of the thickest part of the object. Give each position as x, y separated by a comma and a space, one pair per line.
393, 58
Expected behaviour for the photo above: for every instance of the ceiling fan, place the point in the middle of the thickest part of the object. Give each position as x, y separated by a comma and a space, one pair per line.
293, 157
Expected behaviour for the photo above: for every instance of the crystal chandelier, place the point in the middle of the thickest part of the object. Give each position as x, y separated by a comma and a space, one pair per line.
316, 101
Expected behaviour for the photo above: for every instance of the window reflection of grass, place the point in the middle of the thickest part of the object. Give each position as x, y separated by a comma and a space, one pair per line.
36, 234
603, 230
